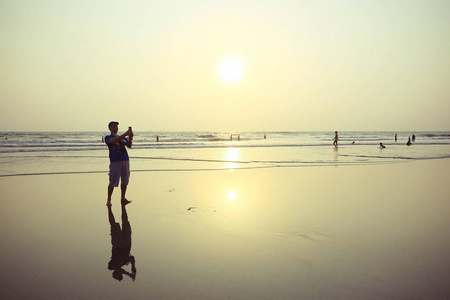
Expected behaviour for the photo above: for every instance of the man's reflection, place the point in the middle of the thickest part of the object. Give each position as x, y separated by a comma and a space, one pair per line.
121, 246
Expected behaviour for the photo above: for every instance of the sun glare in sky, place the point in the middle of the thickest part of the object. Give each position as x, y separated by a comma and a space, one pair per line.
228, 66
231, 70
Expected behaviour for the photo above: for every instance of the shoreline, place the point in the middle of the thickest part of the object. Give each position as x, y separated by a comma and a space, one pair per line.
397, 160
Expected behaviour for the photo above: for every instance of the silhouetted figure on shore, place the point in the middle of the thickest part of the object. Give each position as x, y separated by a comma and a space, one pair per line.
413, 138
265, 137
121, 246
335, 142
157, 138
382, 146
239, 137
395, 137
119, 167
408, 143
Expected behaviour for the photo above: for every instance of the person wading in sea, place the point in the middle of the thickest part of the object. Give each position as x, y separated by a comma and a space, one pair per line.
335, 143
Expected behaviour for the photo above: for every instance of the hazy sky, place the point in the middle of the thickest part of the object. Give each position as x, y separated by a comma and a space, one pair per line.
154, 65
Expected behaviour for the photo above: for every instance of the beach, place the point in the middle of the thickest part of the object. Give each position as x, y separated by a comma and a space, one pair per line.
277, 150
324, 232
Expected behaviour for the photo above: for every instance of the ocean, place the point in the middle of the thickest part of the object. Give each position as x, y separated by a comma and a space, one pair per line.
40, 153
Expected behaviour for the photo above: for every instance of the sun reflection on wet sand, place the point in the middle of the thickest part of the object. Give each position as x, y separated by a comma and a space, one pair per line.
231, 156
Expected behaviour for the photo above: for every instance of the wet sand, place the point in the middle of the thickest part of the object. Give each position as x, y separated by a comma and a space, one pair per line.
347, 232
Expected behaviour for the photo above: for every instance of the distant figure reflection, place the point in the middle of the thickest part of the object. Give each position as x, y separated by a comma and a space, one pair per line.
121, 246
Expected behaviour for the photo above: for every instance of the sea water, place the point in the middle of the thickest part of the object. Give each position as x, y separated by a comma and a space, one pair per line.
34, 153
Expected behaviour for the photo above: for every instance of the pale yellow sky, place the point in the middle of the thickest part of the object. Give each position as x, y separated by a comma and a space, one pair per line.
154, 65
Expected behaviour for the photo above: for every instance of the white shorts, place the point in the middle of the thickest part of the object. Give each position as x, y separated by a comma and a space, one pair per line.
119, 169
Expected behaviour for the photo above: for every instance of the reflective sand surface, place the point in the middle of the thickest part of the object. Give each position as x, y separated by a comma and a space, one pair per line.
347, 232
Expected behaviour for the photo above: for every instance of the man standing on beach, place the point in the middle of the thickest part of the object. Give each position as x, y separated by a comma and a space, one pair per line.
119, 167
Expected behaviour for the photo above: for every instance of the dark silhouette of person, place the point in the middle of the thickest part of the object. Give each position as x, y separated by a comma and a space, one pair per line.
382, 146
119, 166
265, 137
413, 138
157, 138
121, 246
395, 137
335, 142
408, 143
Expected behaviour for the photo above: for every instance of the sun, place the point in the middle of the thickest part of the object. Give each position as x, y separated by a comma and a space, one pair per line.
231, 195
231, 70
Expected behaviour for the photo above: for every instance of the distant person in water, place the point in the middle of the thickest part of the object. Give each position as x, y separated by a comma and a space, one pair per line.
413, 138
121, 246
335, 143
395, 137
119, 167
157, 138
382, 146
408, 143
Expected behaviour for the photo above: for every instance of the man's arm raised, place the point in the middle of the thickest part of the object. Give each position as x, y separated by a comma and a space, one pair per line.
130, 138
118, 138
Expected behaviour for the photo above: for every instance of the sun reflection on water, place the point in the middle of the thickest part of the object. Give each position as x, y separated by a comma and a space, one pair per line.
231, 156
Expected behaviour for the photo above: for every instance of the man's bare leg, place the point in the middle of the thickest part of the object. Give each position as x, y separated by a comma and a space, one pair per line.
110, 191
124, 190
